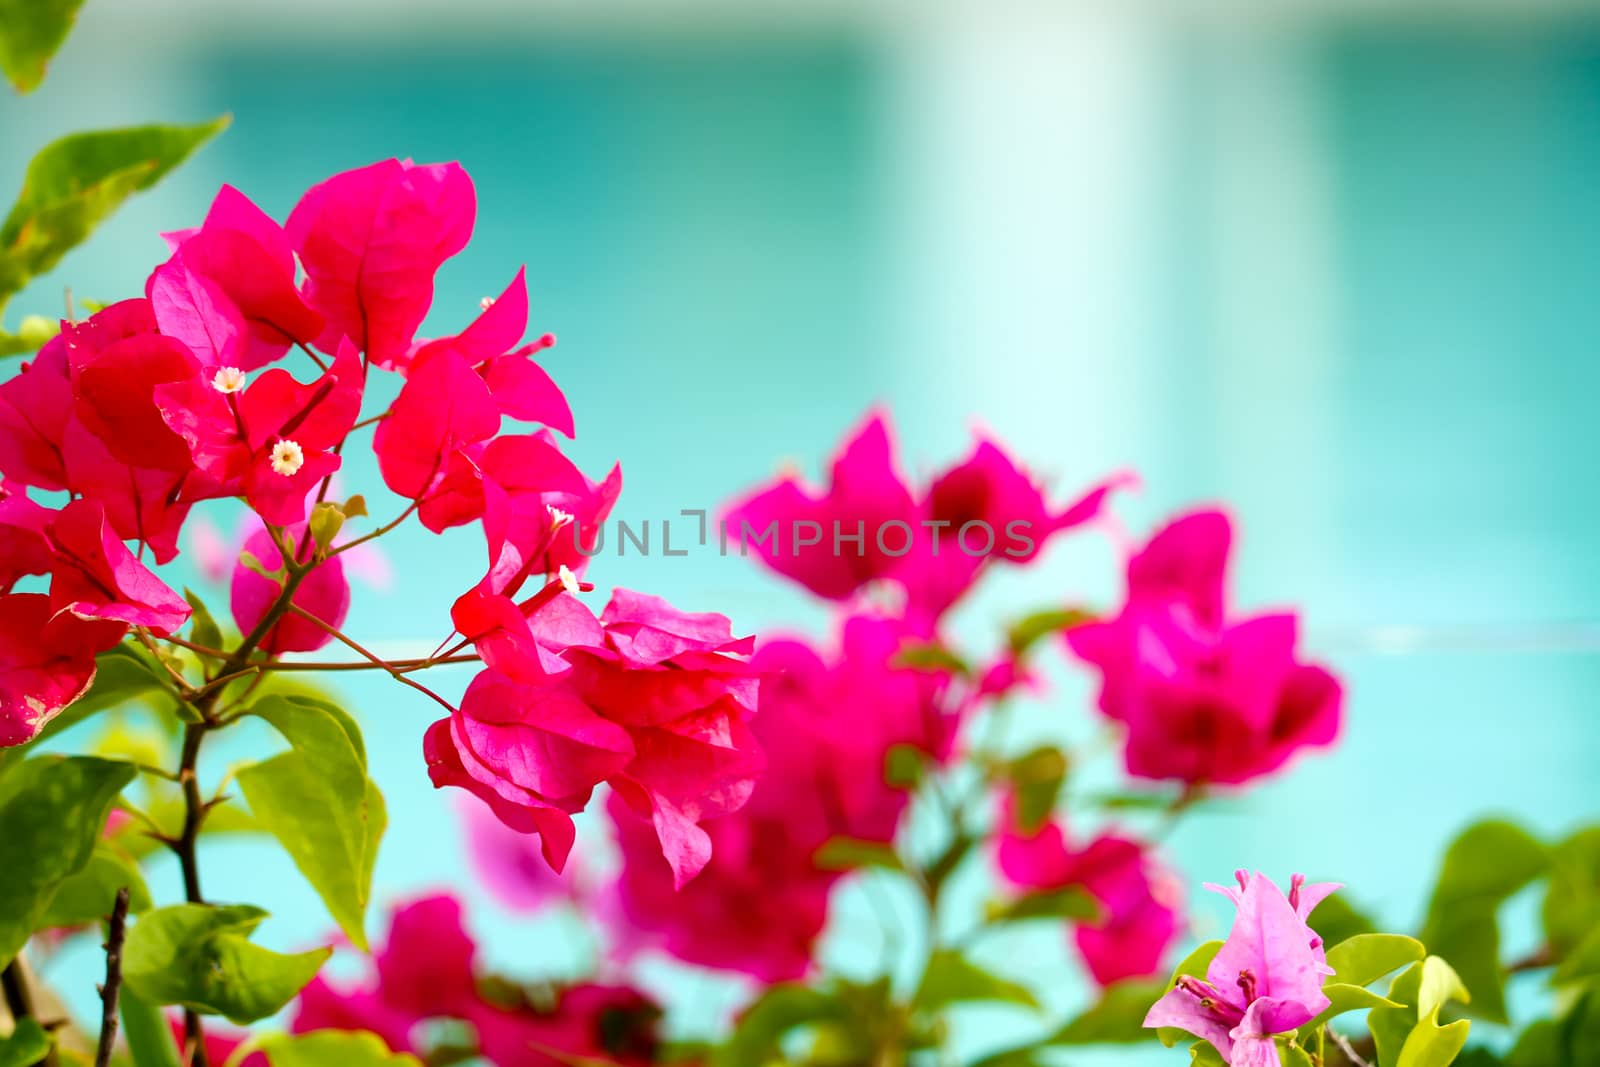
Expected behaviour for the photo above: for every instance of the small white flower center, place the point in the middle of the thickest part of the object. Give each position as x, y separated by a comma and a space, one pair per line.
569, 581
486, 303
228, 380
287, 457
558, 518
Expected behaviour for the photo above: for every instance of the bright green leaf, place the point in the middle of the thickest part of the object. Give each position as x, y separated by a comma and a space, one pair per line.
26, 1045
319, 803
1571, 910
149, 1037
1117, 1017
1294, 1056
1432, 1045
1390, 1026
30, 33
326, 521
1440, 984
87, 896
332, 1048
52, 809
1337, 920
779, 1010
203, 628
951, 978
200, 956
73, 184
1344, 998
1363, 959
850, 853
1203, 1054
33, 333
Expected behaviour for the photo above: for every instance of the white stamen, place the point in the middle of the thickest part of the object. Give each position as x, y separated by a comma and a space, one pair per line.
486, 303
558, 518
287, 457
228, 380
569, 581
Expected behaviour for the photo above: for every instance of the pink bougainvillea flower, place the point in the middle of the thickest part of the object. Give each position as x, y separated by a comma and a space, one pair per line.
655, 703
144, 505
1204, 699
537, 525
509, 865
443, 408
756, 908
117, 359
371, 241
96, 577
273, 440
829, 723
1266, 979
323, 593
221, 1043
24, 549
46, 662
868, 525
35, 407
587, 1023
1139, 898
521, 388
423, 971
228, 290
865, 494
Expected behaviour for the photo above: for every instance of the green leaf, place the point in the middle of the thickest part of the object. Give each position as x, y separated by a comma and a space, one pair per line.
1072, 903
26, 1045
326, 521
33, 333
1036, 779
1440, 984
203, 628
1363, 959
53, 809
1432, 1045
1117, 1017
1344, 998
149, 1038
200, 956
851, 853
951, 978
1029, 630
1337, 920
332, 1048
903, 765
73, 184
1571, 909
1583, 962
317, 800
1390, 1026
1486, 864
1537, 1046
30, 33
931, 656
1294, 1056
1203, 1054
761, 1028
87, 896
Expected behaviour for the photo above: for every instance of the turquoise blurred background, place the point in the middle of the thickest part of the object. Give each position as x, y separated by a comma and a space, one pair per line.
1341, 271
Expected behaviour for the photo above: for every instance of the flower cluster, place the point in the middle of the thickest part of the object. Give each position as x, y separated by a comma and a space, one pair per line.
155, 404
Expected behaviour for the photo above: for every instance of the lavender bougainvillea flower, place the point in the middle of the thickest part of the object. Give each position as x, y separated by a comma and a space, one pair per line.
1205, 699
323, 592
371, 240
1266, 979
228, 290
933, 544
1139, 898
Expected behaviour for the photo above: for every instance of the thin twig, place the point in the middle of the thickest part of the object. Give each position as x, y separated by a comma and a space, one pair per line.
398, 675
113, 985
1344, 1047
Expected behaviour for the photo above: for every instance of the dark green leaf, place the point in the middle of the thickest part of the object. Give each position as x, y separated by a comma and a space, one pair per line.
149, 1038
1571, 910
1072, 903
903, 765
75, 183
30, 33
1537, 1046
200, 956
1390, 1026
1337, 920
1118, 1016
849, 853
203, 628
761, 1028
1583, 962
53, 809
1486, 864
87, 896
1036, 779
319, 803
26, 1045
951, 978
333, 1048
1028, 631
